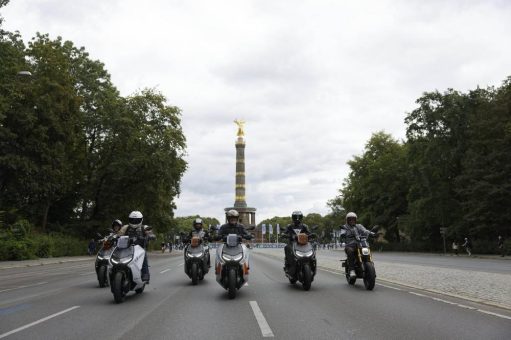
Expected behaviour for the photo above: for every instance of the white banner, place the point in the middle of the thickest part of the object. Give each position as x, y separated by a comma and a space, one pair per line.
271, 229
278, 228
263, 229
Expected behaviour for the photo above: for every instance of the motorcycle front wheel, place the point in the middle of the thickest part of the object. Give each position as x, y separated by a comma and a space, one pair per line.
195, 274
307, 277
118, 287
369, 275
232, 283
102, 278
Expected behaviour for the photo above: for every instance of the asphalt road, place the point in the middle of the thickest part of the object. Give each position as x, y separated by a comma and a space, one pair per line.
463, 262
63, 301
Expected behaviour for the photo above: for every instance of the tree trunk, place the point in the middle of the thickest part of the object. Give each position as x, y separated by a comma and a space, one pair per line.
45, 215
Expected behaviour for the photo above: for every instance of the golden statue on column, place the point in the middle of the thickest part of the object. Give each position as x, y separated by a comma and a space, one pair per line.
240, 124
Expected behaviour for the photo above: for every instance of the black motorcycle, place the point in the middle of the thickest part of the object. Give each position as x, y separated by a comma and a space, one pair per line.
364, 266
197, 259
302, 265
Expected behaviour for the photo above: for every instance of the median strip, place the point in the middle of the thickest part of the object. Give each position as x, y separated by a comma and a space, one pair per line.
37, 322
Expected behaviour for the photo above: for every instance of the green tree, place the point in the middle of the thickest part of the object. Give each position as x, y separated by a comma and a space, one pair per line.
437, 139
484, 186
376, 186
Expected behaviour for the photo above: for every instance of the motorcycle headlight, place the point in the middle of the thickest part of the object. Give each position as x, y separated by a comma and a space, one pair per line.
365, 251
100, 257
114, 260
235, 258
126, 260
194, 255
304, 254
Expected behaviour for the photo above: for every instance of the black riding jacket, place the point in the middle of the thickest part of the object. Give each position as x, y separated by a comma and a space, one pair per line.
238, 229
290, 230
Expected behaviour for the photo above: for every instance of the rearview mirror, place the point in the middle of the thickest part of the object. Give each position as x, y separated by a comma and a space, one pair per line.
252, 227
375, 228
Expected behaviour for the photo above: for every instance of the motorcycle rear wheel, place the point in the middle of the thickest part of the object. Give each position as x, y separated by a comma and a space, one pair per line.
232, 283
369, 275
307, 277
195, 274
118, 286
102, 278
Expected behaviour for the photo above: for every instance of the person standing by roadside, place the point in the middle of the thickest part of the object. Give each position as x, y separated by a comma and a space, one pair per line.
501, 246
92, 247
455, 247
468, 246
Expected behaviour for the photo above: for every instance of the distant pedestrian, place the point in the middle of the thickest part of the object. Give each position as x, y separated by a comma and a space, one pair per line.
501, 246
455, 247
468, 246
92, 247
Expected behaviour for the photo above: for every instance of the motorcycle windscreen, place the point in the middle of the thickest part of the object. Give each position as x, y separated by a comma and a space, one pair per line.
195, 250
123, 242
232, 240
121, 253
195, 241
302, 239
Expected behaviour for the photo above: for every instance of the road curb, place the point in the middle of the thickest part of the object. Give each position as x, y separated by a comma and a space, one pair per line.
434, 291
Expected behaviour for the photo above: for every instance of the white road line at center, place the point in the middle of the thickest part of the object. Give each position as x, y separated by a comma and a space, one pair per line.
37, 322
37, 284
261, 320
180, 264
164, 271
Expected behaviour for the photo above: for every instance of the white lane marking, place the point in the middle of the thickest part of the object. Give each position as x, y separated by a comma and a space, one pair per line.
166, 270
37, 322
180, 264
418, 294
464, 306
494, 314
379, 284
261, 320
27, 286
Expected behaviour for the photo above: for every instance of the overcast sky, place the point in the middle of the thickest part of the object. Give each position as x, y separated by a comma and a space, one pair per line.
312, 79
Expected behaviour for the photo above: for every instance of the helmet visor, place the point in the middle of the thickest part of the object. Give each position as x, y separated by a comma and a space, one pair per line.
135, 220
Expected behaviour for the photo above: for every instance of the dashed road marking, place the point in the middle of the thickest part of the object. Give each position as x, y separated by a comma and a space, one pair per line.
395, 288
37, 322
180, 264
261, 320
166, 270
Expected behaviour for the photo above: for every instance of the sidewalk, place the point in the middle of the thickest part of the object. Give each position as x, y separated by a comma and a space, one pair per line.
66, 259
489, 288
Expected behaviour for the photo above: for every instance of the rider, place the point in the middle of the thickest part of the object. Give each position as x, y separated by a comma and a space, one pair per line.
143, 234
292, 230
233, 227
348, 236
199, 231
116, 226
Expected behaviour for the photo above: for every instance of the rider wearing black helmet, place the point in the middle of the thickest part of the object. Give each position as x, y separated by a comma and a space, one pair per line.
292, 230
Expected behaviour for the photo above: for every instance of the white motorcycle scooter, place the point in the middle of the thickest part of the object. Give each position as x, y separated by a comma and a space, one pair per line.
231, 264
125, 268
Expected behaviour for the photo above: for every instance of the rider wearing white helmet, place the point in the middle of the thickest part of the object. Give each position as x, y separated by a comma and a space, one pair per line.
348, 234
143, 233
